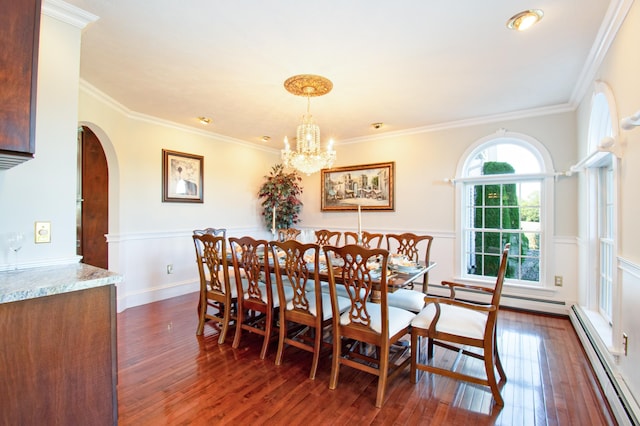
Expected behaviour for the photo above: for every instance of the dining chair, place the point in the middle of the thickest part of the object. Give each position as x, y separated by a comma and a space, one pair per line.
369, 239
287, 234
309, 307
416, 248
365, 325
324, 237
217, 295
455, 325
259, 296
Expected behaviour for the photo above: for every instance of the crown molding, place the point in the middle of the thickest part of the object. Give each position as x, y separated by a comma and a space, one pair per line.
68, 13
96, 93
615, 16
487, 119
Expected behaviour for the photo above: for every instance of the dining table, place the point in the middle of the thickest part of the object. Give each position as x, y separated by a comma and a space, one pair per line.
397, 277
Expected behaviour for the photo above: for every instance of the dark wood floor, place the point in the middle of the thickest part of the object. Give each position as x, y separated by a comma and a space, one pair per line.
167, 375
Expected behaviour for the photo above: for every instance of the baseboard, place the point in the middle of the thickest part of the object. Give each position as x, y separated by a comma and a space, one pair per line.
156, 294
513, 301
623, 406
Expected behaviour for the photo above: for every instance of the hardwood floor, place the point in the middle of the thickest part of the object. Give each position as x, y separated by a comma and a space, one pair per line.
168, 375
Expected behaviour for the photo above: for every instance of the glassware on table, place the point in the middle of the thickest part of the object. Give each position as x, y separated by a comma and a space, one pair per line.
14, 242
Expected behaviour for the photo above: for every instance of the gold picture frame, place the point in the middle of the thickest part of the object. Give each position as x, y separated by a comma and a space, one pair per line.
370, 186
182, 177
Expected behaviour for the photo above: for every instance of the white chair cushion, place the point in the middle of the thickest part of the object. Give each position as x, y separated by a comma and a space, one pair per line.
398, 318
342, 292
403, 298
453, 320
288, 293
343, 304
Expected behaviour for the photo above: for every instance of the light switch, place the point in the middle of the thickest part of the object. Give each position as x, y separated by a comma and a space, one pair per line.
43, 232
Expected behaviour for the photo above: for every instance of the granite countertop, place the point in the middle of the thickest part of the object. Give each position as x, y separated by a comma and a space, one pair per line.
46, 281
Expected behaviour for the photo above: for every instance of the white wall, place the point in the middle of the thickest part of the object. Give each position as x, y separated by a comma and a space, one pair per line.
426, 204
620, 70
146, 234
44, 189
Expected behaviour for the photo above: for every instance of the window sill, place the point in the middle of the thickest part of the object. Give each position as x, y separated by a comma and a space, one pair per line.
601, 327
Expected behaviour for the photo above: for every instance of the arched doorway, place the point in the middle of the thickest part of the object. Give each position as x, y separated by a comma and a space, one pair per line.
92, 212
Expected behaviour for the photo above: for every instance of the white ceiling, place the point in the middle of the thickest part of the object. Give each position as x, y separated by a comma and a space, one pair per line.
411, 64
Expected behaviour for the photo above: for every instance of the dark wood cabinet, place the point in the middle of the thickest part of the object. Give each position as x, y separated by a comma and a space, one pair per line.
19, 35
58, 359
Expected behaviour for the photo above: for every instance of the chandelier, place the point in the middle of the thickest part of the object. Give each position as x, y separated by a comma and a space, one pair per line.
308, 157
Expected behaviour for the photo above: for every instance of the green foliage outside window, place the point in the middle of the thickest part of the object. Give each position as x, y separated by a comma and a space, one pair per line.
497, 207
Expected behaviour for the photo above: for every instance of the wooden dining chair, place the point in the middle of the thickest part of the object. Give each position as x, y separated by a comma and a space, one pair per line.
287, 234
324, 237
369, 325
217, 296
416, 248
309, 307
259, 295
369, 239
455, 325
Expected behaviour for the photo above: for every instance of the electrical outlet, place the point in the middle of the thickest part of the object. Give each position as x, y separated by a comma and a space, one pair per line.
558, 280
170, 268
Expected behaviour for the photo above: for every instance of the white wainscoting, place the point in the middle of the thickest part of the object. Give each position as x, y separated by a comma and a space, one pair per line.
617, 372
142, 259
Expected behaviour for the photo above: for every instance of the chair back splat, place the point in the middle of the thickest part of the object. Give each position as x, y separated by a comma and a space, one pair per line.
416, 248
368, 239
456, 325
212, 231
217, 296
297, 270
374, 327
288, 234
324, 237
253, 282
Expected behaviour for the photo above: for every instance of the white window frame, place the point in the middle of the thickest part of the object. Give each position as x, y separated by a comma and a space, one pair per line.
603, 115
547, 178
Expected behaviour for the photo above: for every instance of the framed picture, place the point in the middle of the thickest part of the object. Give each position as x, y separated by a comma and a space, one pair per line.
370, 186
182, 177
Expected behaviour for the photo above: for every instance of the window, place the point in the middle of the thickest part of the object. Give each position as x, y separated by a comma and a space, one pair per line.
601, 179
503, 193
606, 243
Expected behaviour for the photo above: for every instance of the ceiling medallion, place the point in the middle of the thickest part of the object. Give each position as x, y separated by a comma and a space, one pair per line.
308, 85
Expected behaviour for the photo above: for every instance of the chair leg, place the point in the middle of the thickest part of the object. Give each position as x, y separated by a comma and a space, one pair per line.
282, 335
429, 348
268, 323
239, 321
491, 375
335, 362
226, 319
415, 349
383, 371
317, 346
202, 309
503, 376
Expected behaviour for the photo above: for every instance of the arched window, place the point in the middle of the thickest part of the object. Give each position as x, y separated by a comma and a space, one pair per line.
505, 186
601, 178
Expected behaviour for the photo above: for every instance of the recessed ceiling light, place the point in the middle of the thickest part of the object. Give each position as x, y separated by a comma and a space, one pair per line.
525, 20
266, 138
376, 125
204, 120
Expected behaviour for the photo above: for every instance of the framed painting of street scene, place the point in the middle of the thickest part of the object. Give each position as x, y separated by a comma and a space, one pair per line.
370, 186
